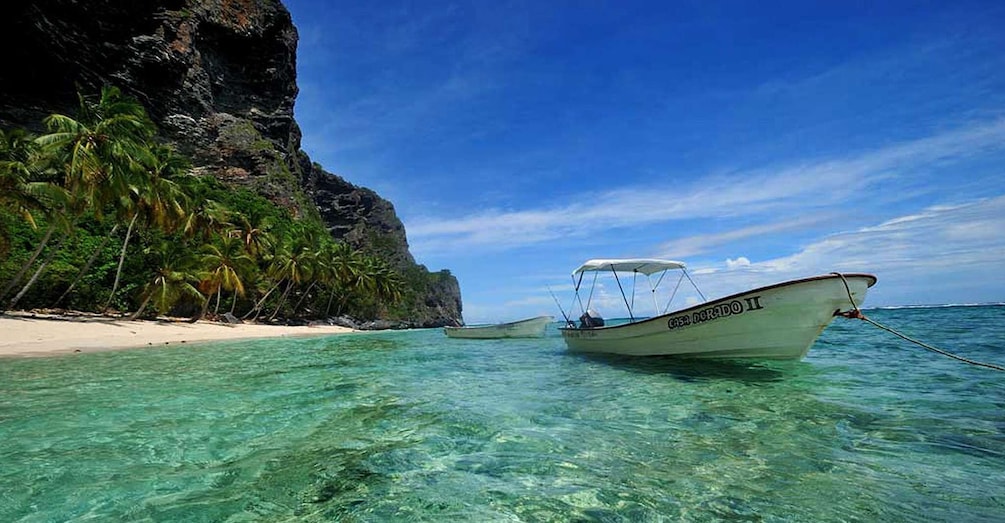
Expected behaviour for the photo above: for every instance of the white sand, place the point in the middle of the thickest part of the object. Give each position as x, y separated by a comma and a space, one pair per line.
25, 334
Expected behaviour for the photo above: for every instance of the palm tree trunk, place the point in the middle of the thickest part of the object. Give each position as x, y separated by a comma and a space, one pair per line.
122, 258
216, 310
205, 307
342, 303
87, 266
143, 306
330, 298
282, 300
258, 305
302, 298
233, 304
34, 277
20, 274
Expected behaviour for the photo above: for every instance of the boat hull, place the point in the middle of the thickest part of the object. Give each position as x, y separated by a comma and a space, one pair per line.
780, 321
529, 328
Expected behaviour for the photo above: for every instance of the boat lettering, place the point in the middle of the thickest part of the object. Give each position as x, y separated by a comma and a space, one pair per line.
754, 303
678, 322
721, 310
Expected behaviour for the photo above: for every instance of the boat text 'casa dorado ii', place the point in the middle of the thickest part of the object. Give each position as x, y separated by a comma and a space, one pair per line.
779, 321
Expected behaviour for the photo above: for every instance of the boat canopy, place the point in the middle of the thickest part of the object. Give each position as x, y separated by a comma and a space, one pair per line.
646, 266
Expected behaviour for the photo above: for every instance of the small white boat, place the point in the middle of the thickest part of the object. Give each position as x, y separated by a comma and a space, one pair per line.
779, 321
529, 328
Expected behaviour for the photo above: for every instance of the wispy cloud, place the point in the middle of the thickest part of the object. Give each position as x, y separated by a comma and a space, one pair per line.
690, 246
937, 238
918, 251
804, 186
932, 253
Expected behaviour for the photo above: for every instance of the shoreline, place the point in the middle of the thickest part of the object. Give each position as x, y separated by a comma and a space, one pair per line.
26, 334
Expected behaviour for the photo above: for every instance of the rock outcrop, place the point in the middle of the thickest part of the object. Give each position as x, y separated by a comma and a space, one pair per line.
219, 79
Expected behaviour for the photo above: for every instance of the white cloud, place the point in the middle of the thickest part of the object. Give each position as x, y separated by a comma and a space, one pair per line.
687, 247
937, 237
926, 253
940, 254
742, 261
794, 189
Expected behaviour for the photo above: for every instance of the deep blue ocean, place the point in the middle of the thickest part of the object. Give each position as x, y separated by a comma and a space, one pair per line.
413, 426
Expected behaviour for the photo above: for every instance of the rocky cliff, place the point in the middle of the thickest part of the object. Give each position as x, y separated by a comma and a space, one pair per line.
219, 79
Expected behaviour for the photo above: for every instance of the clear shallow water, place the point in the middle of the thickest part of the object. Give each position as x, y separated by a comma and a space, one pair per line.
415, 426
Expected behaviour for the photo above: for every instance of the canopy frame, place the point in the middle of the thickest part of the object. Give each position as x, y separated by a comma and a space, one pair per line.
646, 266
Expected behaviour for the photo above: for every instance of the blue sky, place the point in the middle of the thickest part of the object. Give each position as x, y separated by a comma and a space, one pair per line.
755, 142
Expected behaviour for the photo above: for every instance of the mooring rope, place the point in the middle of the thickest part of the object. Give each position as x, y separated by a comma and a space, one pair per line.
856, 313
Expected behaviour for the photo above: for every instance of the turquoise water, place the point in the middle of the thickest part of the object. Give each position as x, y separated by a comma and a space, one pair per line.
414, 426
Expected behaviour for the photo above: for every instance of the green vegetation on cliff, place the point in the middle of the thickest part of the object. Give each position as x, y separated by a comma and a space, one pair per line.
95, 215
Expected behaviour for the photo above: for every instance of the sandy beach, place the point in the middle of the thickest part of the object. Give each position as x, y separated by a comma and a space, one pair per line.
27, 334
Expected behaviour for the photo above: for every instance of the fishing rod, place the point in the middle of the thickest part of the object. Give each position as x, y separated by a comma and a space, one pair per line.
568, 322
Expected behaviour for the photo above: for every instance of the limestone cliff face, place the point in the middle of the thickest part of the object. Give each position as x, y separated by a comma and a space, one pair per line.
219, 79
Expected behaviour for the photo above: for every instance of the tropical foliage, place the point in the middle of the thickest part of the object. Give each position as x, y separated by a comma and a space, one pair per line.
96, 215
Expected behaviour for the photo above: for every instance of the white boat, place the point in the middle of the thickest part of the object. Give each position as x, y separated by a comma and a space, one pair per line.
779, 321
529, 328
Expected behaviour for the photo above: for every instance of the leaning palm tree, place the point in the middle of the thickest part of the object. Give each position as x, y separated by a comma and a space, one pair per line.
253, 230
289, 263
225, 264
38, 272
172, 281
57, 221
205, 218
379, 284
152, 195
347, 270
87, 266
388, 284
22, 192
328, 263
17, 151
100, 147
94, 155
294, 266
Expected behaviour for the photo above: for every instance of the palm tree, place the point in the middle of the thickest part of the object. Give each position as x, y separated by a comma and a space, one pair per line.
99, 149
278, 263
346, 270
388, 284
17, 151
326, 268
173, 280
268, 281
94, 154
153, 195
204, 217
225, 264
87, 266
379, 284
57, 220
253, 230
21, 193
294, 265
290, 263
38, 272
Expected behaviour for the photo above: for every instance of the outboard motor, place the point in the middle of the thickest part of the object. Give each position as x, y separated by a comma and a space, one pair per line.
590, 319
